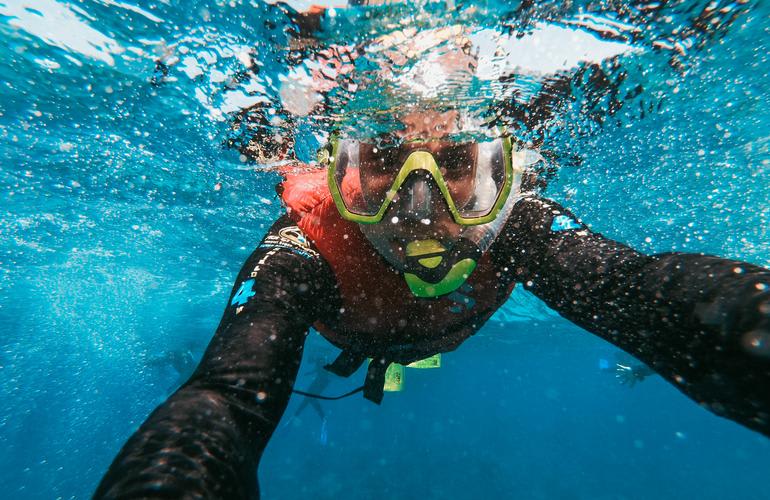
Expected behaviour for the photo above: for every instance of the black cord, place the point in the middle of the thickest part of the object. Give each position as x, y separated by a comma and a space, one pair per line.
329, 398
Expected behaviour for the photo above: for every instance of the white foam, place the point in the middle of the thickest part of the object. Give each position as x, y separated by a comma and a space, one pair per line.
547, 50
58, 25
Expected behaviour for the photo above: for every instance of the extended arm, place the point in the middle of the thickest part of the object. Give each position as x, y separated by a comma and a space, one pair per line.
205, 441
702, 322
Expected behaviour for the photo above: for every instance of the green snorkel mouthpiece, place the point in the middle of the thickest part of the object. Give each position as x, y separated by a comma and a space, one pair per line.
430, 272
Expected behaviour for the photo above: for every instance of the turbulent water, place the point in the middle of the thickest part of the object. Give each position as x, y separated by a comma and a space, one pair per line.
137, 169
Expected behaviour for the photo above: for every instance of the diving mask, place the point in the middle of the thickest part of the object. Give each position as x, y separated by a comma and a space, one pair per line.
475, 178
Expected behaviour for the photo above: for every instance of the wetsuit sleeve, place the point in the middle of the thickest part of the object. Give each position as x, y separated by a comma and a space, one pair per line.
206, 440
702, 322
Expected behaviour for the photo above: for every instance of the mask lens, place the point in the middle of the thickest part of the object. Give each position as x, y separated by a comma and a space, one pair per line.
457, 164
487, 183
473, 173
379, 168
364, 173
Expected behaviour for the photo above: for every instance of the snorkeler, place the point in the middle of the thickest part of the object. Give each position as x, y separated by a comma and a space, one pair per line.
403, 247
627, 371
632, 374
182, 361
321, 379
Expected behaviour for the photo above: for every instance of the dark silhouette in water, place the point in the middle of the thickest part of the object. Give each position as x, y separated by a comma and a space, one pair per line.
321, 380
626, 370
181, 360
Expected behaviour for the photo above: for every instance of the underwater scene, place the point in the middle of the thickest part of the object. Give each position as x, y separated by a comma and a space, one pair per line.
141, 145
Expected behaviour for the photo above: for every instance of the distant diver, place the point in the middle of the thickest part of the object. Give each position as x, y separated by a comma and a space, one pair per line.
182, 361
320, 382
626, 370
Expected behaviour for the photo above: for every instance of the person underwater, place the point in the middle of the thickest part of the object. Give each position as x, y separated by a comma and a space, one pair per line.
182, 361
402, 247
321, 379
627, 371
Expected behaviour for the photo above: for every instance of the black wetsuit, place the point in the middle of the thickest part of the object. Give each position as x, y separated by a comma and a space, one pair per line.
687, 316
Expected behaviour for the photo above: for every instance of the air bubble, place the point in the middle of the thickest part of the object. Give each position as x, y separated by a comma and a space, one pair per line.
757, 342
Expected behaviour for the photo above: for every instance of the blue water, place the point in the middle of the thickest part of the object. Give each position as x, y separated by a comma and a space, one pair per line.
124, 220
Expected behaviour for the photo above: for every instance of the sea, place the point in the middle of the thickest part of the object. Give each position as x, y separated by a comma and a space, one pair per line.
140, 145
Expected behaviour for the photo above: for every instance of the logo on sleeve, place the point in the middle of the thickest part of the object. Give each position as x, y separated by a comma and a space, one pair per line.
244, 293
294, 235
292, 239
564, 223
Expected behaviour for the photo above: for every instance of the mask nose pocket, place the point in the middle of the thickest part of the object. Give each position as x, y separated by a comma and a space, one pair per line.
419, 197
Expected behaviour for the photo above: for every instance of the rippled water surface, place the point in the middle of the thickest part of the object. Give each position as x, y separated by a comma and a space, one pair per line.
140, 141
